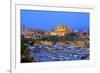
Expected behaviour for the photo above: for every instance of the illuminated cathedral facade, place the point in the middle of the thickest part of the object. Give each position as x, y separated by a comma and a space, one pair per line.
61, 30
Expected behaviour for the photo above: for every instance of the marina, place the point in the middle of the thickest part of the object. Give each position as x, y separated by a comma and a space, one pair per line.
58, 53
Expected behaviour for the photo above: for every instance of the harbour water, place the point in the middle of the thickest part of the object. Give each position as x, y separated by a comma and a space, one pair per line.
59, 53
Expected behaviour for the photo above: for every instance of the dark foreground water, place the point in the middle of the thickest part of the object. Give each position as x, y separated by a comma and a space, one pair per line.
58, 53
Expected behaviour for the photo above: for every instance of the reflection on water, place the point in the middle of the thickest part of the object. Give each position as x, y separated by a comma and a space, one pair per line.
59, 53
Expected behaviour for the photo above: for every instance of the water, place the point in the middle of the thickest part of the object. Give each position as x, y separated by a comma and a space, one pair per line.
44, 56
65, 53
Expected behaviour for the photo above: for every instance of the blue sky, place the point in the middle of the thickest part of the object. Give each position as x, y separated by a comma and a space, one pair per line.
48, 20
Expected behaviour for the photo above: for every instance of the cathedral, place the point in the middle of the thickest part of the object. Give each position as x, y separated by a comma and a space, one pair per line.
61, 30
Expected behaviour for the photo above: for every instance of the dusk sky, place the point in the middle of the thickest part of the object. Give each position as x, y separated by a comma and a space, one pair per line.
48, 20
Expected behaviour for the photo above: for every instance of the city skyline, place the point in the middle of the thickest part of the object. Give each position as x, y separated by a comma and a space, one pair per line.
48, 20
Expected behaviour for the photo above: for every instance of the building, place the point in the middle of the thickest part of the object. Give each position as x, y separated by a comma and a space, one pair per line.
61, 30
30, 32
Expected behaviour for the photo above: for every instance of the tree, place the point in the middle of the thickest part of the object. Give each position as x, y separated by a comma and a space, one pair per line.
71, 37
54, 39
25, 55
